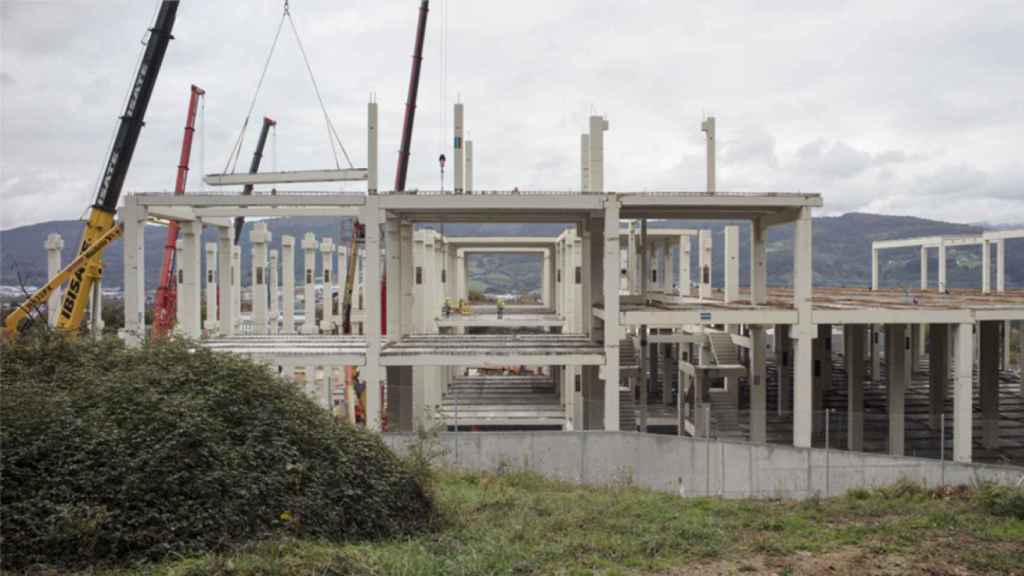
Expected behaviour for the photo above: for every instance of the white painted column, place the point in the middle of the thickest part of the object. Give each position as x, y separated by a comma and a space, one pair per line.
190, 286
705, 264
327, 281
405, 265
853, 342
469, 167
226, 280
612, 329
962, 393
54, 244
758, 386
584, 163
236, 286
259, 237
309, 325
942, 266
211, 323
874, 269
732, 263
458, 173
372, 372
288, 289
179, 279
802, 333
986, 267
273, 293
372, 133
598, 126
134, 218
685, 280
461, 277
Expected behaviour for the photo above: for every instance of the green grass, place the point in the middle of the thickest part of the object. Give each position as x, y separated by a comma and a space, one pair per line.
522, 524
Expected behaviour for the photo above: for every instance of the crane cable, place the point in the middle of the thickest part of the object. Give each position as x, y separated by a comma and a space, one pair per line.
332, 132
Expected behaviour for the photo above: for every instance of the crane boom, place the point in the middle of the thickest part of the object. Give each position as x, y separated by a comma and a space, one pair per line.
101, 216
165, 302
254, 167
410, 102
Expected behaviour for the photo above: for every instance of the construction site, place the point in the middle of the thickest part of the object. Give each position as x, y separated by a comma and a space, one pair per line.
629, 332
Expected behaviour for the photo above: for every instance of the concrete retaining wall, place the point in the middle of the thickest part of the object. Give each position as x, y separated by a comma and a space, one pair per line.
695, 467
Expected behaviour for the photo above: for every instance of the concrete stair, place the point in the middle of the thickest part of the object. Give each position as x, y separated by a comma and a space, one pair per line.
723, 349
505, 401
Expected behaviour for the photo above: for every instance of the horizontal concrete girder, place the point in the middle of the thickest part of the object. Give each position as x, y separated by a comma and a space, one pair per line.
290, 177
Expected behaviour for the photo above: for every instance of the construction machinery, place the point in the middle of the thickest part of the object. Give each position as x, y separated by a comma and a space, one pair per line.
165, 301
254, 167
100, 229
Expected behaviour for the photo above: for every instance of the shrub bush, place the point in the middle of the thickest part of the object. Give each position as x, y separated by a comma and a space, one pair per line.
112, 453
1002, 500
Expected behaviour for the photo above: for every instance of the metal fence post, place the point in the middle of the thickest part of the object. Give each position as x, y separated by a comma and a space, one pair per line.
828, 454
942, 449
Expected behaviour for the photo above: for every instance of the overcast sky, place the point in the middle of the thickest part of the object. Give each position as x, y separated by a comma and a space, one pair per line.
913, 108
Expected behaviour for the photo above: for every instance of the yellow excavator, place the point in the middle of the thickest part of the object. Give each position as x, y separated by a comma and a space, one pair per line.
87, 268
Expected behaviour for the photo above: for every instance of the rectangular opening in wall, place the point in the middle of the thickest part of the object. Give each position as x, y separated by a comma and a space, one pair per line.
579, 275
504, 273
259, 275
419, 275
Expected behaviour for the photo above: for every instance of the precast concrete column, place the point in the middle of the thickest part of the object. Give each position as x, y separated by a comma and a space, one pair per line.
133, 217
211, 322
189, 285
468, 180
372, 137
288, 273
179, 295
1001, 287
986, 267
665, 265
327, 280
236, 286
598, 126
545, 279
591, 248
461, 292
393, 274
803, 333
705, 264
341, 278
758, 386
924, 267
372, 372
584, 163
783, 362
273, 293
54, 244
406, 268
732, 263
942, 266
226, 279
963, 394
360, 295
610, 295
758, 262
309, 244
988, 376
938, 364
853, 343
874, 269
458, 172
708, 127
900, 352
260, 237
685, 280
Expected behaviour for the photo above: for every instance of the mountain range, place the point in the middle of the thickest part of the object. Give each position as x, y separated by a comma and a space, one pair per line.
842, 251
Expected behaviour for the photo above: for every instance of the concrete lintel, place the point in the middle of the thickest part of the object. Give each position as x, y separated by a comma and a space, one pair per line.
176, 213
277, 211
152, 199
488, 359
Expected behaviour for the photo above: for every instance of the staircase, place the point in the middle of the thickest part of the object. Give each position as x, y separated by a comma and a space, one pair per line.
505, 401
723, 349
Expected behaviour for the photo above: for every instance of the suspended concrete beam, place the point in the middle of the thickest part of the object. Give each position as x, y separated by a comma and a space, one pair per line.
289, 177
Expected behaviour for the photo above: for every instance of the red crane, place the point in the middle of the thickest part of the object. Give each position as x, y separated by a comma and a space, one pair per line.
165, 302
